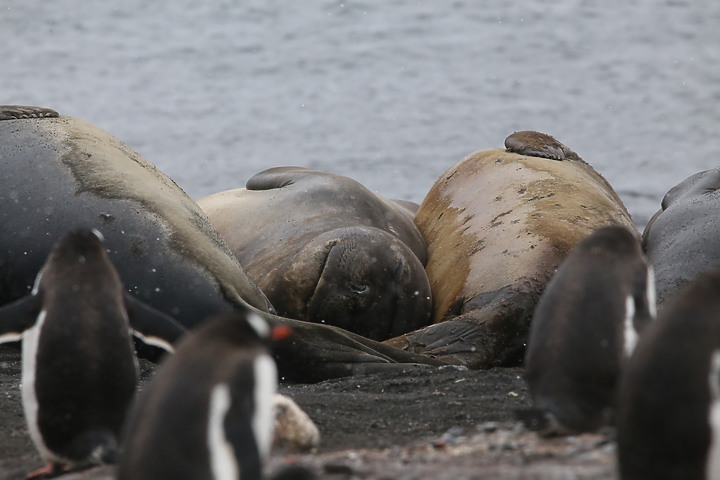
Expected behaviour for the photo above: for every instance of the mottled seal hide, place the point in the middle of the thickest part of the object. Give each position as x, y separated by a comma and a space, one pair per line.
325, 249
681, 238
62, 173
497, 224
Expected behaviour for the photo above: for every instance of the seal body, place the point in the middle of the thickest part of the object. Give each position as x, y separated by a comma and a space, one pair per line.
679, 239
60, 173
668, 424
325, 249
497, 225
208, 412
584, 329
79, 371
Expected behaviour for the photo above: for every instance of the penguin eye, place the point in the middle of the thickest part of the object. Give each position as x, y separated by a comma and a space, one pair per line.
359, 289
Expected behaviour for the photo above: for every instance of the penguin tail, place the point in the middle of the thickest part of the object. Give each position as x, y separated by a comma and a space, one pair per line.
95, 447
542, 421
294, 472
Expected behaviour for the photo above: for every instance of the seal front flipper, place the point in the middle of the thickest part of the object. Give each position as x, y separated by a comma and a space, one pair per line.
17, 317
276, 177
14, 112
316, 352
151, 326
536, 144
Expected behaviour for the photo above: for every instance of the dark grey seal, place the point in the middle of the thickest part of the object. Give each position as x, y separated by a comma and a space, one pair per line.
681, 239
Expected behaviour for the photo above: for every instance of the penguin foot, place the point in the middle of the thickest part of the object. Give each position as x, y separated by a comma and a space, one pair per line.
50, 469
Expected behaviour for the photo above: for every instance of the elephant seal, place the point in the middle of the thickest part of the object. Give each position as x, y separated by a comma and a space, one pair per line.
668, 424
75, 329
325, 249
61, 173
680, 238
585, 326
497, 225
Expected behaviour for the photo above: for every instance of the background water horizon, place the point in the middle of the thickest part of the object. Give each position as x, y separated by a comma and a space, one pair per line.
389, 93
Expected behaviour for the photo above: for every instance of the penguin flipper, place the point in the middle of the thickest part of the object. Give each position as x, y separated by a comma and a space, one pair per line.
151, 326
17, 317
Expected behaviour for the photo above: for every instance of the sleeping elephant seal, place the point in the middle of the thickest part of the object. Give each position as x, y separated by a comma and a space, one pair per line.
58, 173
497, 225
325, 249
681, 239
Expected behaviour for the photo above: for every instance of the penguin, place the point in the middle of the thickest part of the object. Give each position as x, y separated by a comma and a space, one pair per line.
208, 413
584, 328
669, 398
79, 372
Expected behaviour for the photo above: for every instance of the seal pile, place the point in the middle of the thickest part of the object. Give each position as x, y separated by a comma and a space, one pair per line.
515, 247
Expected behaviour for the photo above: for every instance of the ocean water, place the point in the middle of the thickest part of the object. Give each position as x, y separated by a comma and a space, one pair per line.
390, 93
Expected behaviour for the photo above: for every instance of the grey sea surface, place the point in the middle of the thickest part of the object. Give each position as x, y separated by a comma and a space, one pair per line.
390, 93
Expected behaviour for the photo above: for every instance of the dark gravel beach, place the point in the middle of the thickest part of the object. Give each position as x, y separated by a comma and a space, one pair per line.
406, 423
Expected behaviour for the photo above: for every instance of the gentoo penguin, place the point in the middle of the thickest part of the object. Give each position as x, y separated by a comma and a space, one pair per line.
669, 398
78, 367
584, 328
208, 413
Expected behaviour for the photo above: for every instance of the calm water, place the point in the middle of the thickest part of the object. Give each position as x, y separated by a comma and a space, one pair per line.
391, 93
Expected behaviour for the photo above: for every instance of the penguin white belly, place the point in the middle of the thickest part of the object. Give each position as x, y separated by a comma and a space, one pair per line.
264, 416
30, 341
223, 463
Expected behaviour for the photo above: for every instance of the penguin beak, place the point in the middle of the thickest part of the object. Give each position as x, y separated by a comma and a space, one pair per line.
280, 332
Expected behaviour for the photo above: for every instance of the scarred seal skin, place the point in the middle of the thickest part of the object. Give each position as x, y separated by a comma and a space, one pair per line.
326, 249
497, 225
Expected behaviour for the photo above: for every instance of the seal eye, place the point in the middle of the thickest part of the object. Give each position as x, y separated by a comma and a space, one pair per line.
359, 289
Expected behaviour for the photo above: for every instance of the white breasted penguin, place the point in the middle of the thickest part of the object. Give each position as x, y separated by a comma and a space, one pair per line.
208, 413
669, 398
584, 328
79, 372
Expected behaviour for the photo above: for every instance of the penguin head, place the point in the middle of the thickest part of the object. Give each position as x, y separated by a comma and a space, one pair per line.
79, 246
265, 331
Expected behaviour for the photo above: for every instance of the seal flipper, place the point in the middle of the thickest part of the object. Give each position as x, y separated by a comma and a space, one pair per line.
14, 112
151, 326
276, 177
536, 144
17, 317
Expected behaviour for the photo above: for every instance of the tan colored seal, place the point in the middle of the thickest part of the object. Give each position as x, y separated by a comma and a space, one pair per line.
497, 225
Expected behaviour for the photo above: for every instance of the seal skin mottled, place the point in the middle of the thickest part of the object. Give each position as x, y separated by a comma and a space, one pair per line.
325, 249
497, 225
58, 173
680, 239
668, 424
584, 329
62, 173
